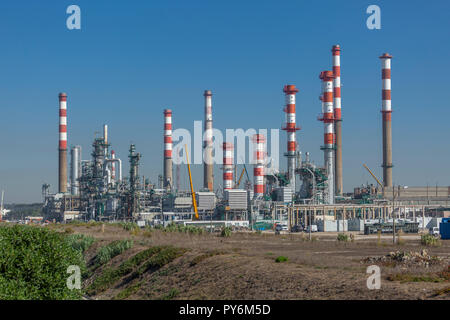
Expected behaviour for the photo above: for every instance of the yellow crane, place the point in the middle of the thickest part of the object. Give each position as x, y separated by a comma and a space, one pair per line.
194, 202
378, 181
240, 178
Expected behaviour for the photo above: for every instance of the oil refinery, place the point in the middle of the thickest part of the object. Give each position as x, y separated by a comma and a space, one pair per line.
96, 187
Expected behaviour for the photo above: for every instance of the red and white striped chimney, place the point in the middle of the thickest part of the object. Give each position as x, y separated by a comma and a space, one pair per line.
62, 177
336, 50
291, 128
387, 123
328, 121
208, 180
259, 141
167, 148
228, 160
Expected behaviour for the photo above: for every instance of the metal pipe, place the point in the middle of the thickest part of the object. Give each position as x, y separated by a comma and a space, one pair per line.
113, 161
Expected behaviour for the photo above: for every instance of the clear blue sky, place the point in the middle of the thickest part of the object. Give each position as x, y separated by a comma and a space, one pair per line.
132, 59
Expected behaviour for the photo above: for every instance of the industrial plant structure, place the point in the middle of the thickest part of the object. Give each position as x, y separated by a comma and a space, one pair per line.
98, 189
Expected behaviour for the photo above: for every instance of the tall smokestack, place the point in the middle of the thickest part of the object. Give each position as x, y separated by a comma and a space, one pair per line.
387, 125
291, 128
62, 176
339, 184
208, 181
228, 160
167, 149
258, 170
328, 121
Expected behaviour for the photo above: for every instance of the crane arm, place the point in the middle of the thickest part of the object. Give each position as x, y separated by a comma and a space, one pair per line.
240, 178
378, 181
194, 202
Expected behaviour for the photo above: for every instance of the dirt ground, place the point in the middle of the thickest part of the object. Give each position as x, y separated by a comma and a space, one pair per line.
243, 266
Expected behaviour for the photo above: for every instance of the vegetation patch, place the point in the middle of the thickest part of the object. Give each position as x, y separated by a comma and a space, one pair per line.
106, 253
172, 227
80, 242
226, 232
429, 240
127, 292
207, 255
342, 237
34, 262
281, 259
165, 255
443, 291
170, 295
111, 275
443, 276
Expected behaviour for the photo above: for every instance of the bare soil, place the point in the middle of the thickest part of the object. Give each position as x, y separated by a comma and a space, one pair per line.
243, 267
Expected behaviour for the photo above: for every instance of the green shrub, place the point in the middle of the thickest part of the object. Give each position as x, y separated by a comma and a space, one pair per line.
172, 227
281, 259
80, 242
129, 226
429, 240
106, 253
343, 237
34, 262
226, 232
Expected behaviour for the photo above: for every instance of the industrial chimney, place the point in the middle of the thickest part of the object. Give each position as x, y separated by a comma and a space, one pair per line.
328, 121
228, 159
387, 125
339, 185
167, 149
62, 173
259, 157
291, 128
208, 182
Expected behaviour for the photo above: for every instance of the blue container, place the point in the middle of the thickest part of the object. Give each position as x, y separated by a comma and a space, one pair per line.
444, 229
